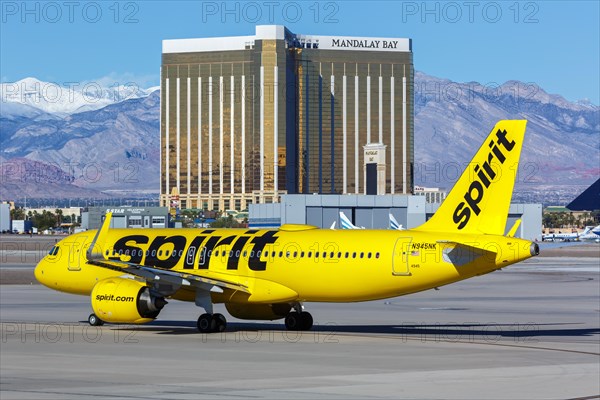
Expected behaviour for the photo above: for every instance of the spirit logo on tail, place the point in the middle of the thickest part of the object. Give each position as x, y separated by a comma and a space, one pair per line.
477, 189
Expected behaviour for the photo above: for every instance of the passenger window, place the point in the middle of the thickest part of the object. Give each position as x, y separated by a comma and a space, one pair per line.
266, 253
287, 254
159, 253
377, 255
310, 254
167, 253
369, 255
258, 254
331, 255
354, 255
301, 254
280, 254
362, 255
295, 254
346, 255
245, 253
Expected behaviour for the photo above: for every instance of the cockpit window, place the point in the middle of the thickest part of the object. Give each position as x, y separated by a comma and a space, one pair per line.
53, 251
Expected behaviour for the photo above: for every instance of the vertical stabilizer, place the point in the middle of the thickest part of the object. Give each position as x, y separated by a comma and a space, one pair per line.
479, 201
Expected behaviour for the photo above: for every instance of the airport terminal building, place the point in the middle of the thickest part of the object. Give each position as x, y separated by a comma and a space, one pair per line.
247, 119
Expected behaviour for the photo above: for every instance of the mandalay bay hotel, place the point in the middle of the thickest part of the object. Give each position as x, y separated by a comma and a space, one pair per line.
246, 119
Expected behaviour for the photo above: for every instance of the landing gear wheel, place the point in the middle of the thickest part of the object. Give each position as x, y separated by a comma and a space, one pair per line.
298, 321
293, 321
221, 322
206, 323
93, 320
306, 321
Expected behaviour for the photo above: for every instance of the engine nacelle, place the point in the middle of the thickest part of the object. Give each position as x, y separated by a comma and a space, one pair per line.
122, 300
258, 311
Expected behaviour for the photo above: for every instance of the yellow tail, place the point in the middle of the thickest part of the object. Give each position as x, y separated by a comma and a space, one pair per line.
479, 201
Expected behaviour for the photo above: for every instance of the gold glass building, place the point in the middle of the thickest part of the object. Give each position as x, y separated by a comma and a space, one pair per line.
245, 119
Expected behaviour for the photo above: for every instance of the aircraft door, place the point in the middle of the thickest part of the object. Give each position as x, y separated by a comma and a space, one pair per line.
400, 258
75, 250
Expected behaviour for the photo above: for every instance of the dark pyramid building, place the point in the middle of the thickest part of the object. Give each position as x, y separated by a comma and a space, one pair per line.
589, 200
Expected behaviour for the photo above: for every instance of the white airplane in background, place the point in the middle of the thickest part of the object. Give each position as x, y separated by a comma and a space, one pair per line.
591, 234
587, 234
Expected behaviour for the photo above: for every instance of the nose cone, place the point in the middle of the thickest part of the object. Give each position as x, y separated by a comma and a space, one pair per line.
41, 272
38, 272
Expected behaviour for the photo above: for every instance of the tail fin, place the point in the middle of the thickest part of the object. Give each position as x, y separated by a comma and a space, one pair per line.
394, 223
479, 201
345, 222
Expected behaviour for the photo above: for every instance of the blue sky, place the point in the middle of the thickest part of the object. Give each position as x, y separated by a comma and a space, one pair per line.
554, 44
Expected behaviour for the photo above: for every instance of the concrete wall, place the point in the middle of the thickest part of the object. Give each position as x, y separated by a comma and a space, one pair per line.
372, 212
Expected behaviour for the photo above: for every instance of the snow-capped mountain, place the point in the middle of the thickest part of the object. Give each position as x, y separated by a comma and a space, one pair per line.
117, 146
67, 97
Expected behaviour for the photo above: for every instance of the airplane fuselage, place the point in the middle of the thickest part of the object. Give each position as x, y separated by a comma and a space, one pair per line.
301, 264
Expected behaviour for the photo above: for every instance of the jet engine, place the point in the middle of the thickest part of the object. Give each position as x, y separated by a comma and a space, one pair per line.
258, 311
123, 300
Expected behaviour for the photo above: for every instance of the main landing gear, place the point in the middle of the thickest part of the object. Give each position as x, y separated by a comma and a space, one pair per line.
298, 320
209, 323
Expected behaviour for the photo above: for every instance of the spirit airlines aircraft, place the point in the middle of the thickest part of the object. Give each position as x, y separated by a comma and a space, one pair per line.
130, 274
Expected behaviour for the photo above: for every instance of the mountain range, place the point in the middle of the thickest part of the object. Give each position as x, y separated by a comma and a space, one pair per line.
89, 139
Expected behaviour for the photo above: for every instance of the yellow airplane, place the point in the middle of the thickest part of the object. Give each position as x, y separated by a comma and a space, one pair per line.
270, 274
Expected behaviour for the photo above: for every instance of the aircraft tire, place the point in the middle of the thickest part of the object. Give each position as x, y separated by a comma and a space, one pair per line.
306, 321
93, 320
293, 321
206, 323
221, 322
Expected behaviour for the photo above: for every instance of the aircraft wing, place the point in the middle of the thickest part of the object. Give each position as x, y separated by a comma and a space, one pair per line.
160, 275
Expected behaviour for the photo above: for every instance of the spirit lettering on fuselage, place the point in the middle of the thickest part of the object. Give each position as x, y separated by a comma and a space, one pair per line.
486, 175
200, 247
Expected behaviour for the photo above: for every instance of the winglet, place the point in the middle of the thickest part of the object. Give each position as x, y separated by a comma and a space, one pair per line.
513, 230
100, 237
